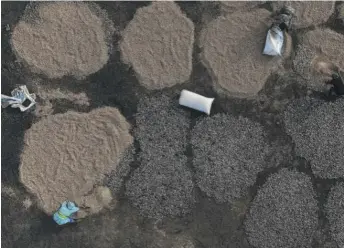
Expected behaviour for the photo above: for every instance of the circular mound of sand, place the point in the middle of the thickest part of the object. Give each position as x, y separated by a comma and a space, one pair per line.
162, 187
318, 47
307, 13
62, 38
335, 213
66, 155
229, 152
158, 43
233, 6
232, 50
317, 129
284, 212
162, 126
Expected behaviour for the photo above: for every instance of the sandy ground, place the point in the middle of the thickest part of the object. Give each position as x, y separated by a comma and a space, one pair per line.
158, 43
149, 168
308, 13
232, 49
80, 149
60, 39
233, 6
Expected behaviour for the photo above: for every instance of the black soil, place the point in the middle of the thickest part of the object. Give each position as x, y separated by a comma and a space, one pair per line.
209, 224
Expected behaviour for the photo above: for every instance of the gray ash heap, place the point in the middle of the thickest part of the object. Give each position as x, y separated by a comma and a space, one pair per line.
229, 152
335, 213
284, 212
162, 186
317, 129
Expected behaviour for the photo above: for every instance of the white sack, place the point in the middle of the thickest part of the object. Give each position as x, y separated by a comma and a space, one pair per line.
195, 101
274, 42
19, 95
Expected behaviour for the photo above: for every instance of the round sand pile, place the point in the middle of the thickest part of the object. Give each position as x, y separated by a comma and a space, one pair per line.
66, 155
307, 13
284, 212
320, 45
335, 213
158, 43
317, 130
62, 38
229, 152
233, 6
232, 50
162, 187
162, 126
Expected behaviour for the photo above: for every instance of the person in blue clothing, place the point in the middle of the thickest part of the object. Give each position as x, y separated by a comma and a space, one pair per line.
66, 213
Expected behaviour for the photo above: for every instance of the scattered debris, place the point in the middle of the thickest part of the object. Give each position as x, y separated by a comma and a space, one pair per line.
9, 191
27, 203
19, 96
196, 101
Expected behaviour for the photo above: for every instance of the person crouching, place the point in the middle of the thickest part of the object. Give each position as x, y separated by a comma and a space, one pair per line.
66, 213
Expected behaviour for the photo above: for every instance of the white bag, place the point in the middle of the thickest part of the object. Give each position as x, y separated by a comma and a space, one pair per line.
274, 42
19, 95
195, 101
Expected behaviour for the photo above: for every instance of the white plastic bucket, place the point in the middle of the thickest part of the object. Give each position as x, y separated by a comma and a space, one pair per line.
195, 101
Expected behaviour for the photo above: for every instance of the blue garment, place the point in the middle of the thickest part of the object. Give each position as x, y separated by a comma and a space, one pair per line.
63, 215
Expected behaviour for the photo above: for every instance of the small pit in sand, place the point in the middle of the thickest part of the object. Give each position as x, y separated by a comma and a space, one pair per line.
232, 50
317, 46
307, 13
66, 155
63, 38
158, 43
